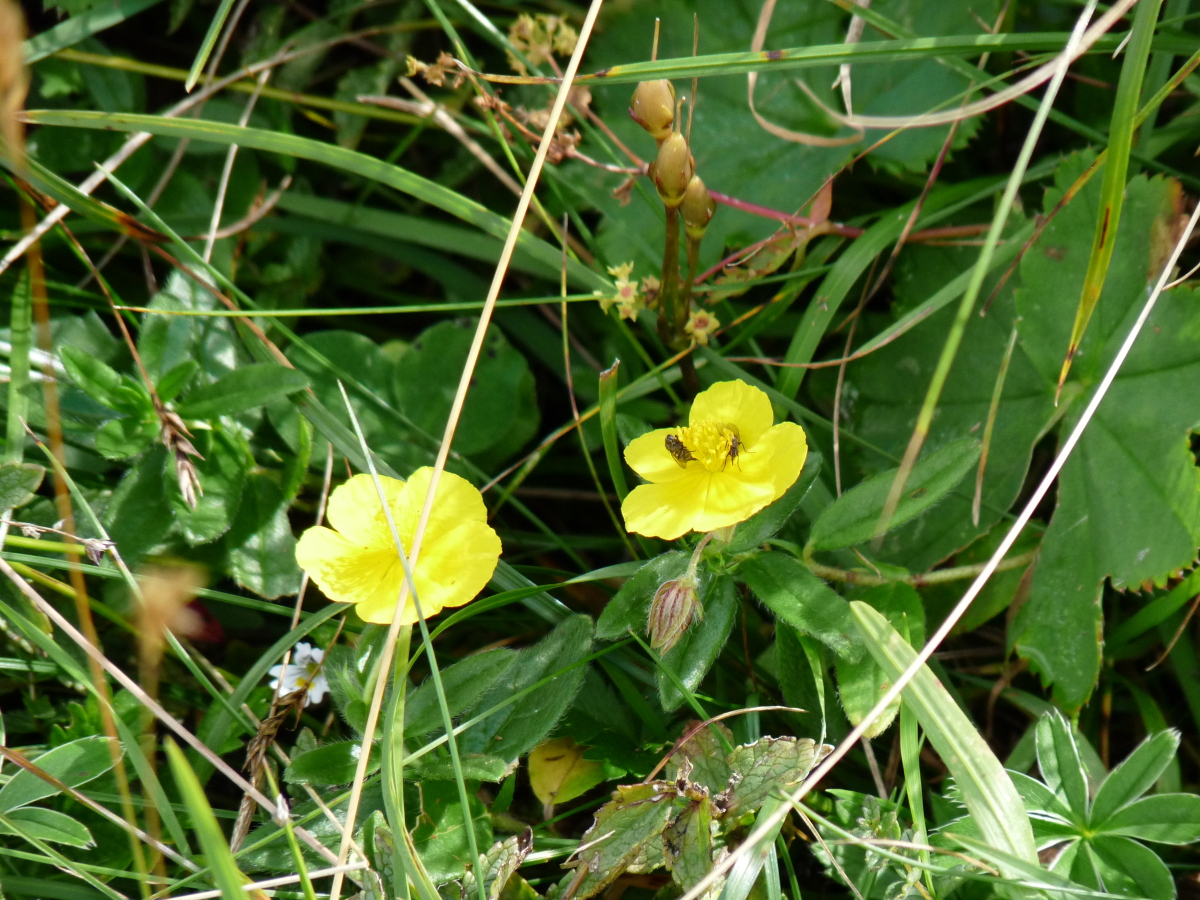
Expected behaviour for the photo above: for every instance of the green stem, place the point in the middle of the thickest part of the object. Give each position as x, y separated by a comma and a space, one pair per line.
18, 360
392, 745
668, 295
939, 576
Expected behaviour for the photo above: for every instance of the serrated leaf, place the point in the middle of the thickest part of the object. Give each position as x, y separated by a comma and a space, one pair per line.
1135, 775
75, 763
801, 599
763, 767
629, 608
464, 683
1128, 504
18, 481
48, 825
247, 387
853, 517
93, 376
706, 753
559, 773
632, 824
697, 650
439, 833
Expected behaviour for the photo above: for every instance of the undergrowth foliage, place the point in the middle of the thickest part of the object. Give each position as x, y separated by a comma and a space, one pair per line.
811, 503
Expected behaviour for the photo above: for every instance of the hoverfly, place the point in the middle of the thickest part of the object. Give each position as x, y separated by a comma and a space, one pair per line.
676, 448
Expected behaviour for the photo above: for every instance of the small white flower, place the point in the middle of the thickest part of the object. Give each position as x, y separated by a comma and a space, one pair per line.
302, 672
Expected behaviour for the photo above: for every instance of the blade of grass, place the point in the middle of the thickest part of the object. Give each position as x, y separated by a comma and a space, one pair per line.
1116, 170
967, 303
81, 26
914, 785
351, 161
21, 339
206, 46
226, 873
608, 429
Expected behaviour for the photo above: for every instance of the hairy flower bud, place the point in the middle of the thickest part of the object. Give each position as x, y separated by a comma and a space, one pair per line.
674, 607
653, 107
673, 169
697, 208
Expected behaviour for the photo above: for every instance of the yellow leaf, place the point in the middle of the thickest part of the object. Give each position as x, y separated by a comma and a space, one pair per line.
558, 772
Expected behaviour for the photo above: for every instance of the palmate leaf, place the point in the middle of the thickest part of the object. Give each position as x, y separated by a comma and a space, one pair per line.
1129, 498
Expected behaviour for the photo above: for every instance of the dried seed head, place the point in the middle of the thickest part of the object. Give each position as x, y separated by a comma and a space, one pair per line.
653, 107
697, 208
673, 169
674, 607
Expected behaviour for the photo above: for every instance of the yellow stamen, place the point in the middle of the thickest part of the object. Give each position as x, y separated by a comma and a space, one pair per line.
709, 443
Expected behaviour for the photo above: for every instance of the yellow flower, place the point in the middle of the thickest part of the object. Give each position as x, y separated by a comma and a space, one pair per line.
358, 563
726, 464
701, 326
627, 297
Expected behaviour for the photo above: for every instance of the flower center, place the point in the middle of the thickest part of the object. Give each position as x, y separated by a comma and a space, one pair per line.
712, 444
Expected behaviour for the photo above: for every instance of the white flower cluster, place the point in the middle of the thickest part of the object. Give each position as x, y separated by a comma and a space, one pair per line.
304, 671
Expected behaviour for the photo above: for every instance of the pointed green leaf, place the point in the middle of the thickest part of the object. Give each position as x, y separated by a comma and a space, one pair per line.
797, 596
75, 763
18, 481
629, 608
1161, 818
1130, 868
49, 825
1058, 758
464, 683
247, 387
1135, 775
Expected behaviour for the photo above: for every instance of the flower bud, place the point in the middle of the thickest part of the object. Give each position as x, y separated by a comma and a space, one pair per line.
653, 107
674, 607
673, 169
697, 208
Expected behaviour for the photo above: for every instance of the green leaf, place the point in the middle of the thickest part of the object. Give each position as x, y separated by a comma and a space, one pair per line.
499, 863
1162, 818
852, 518
329, 764
75, 763
500, 414
175, 380
629, 608
18, 481
697, 650
1129, 868
763, 767
1128, 505
49, 825
247, 387
123, 438
558, 771
861, 683
766, 522
983, 784
1058, 758
464, 682
212, 840
262, 548
439, 834
475, 767
797, 596
517, 728
1041, 798
1135, 775
75, 29
92, 375
222, 471
688, 844
636, 818
706, 752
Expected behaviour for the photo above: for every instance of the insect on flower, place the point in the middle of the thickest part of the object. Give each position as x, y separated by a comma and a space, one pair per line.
678, 450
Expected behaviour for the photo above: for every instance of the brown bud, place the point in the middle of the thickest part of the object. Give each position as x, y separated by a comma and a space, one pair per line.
674, 607
697, 208
653, 107
673, 169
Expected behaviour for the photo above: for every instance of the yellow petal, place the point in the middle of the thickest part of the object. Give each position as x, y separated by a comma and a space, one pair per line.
648, 456
731, 498
456, 568
348, 573
735, 403
355, 511
668, 509
779, 455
